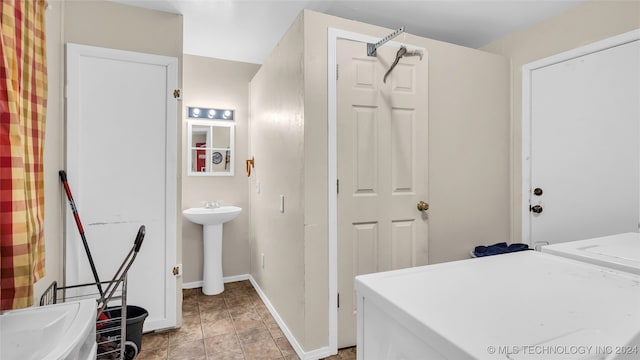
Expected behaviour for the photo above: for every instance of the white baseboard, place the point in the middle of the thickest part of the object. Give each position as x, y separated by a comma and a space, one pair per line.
235, 278
192, 285
228, 279
316, 354
308, 355
304, 355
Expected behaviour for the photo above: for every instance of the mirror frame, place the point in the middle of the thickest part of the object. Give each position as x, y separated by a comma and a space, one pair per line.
210, 123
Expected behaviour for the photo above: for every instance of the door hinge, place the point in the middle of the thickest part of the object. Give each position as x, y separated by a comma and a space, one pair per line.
337, 72
177, 94
338, 300
338, 186
177, 270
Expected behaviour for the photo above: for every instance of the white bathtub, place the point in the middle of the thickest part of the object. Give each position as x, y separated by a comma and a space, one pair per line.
55, 332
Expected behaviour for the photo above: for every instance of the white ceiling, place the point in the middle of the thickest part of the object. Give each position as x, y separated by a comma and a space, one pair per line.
247, 30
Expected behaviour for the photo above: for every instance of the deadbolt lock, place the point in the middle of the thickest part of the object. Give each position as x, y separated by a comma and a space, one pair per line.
423, 206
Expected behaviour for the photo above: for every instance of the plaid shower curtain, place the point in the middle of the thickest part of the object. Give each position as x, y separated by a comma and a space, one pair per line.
23, 101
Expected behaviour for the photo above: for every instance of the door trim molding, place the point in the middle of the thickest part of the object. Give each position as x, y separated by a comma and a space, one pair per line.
333, 35
527, 72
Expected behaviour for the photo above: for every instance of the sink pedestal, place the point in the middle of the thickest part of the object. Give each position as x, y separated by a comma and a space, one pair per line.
211, 220
212, 283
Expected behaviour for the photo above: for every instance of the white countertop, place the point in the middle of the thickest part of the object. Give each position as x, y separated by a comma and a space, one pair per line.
527, 298
621, 251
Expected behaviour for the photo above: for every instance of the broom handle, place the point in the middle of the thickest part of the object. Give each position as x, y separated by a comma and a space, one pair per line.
76, 216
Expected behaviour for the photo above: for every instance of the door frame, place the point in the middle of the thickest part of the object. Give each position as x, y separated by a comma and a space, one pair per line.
333, 35
73, 53
527, 73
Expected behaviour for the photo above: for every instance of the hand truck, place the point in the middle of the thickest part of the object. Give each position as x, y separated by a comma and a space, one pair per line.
111, 315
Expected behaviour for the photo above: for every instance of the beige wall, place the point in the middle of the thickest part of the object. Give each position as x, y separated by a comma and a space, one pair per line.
217, 84
53, 151
277, 143
97, 23
112, 25
468, 164
587, 23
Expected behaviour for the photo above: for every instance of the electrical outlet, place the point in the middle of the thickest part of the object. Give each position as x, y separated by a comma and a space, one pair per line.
262, 260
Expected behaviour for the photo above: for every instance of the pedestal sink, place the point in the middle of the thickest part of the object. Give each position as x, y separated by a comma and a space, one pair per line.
211, 220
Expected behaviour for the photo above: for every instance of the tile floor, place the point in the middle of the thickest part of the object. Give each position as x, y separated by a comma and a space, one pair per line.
232, 325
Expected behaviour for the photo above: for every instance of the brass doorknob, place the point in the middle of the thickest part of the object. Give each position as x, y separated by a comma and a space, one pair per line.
423, 206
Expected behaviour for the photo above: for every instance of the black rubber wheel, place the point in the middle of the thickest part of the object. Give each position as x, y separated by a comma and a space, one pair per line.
130, 350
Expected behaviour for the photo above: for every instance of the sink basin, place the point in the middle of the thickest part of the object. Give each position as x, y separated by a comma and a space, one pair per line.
212, 216
211, 220
53, 332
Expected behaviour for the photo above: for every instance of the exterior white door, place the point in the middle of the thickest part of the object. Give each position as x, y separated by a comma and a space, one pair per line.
584, 128
382, 169
121, 166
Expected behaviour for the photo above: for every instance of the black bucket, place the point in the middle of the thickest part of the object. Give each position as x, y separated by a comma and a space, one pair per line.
135, 321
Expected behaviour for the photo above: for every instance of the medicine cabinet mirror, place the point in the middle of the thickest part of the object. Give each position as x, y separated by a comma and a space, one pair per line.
211, 150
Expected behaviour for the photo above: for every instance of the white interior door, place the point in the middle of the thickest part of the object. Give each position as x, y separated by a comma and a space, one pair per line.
382, 169
121, 166
584, 129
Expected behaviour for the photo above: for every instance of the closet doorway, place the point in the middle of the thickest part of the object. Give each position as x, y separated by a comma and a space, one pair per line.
121, 155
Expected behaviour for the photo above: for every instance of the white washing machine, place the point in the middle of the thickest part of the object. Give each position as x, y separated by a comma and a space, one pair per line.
619, 252
520, 306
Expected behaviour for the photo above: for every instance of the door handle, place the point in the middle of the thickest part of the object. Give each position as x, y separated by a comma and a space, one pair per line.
536, 209
422, 206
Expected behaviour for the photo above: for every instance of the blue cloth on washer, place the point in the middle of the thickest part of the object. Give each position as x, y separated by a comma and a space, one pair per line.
499, 248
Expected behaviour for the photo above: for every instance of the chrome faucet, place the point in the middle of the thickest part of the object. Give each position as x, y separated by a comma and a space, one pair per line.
211, 204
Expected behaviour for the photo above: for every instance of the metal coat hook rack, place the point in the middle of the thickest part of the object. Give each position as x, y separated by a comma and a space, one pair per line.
372, 48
